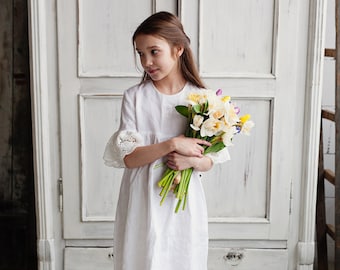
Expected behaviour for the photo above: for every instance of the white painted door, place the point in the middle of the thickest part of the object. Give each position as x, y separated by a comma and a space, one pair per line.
241, 47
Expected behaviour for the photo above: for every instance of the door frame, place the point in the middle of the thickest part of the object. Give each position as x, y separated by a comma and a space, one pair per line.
46, 136
312, 117
45, 128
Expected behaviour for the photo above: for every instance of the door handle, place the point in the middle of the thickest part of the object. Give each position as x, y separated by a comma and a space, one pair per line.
234, 256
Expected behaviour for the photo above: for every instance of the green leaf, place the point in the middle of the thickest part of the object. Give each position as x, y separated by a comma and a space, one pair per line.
206, 106
183, 110
214, 148
197, 108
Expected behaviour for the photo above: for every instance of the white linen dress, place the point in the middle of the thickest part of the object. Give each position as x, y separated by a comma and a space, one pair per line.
149, 236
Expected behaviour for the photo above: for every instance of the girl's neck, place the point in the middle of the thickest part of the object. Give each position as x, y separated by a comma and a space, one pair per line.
170, 87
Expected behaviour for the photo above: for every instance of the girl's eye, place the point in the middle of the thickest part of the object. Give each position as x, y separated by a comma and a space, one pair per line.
140, 53
154, 51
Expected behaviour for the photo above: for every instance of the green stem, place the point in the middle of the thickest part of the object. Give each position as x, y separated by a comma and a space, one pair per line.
187, 188
183, 189
167, 189
182, 184
165, 177
178, 205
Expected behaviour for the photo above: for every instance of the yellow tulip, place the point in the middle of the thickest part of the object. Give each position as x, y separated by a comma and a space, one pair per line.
225, 98
244, 118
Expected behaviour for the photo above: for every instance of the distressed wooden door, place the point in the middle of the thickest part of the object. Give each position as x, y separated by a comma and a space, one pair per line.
241, 47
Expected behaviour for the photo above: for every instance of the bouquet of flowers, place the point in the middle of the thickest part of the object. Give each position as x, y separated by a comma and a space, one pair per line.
211, 117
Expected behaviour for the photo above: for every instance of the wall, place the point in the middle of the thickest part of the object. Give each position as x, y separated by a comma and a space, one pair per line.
17, 213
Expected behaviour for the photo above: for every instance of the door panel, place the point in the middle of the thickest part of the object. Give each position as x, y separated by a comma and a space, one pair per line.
243, 182
99, 187
88, 258
244, 259
105, 31
236, 37
219, 259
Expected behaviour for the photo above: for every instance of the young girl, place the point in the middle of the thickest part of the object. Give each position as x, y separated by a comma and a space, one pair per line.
150, 137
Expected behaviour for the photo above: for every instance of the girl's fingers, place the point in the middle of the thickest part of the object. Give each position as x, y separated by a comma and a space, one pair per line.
191, 146
204, 142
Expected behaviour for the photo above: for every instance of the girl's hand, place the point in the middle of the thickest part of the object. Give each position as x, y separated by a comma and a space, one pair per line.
191, 147
180, 162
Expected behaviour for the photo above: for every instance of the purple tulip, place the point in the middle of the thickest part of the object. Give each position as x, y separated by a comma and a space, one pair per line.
219, 92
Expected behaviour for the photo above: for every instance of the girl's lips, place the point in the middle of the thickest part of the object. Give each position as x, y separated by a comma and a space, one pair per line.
152, 71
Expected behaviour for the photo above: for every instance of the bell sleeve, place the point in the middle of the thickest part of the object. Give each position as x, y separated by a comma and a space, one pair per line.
126, 139
220, 156
119, 145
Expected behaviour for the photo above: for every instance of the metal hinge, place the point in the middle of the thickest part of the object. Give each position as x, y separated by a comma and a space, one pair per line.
60, 193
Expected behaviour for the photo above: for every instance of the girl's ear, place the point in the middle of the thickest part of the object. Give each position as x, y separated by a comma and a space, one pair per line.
179, 51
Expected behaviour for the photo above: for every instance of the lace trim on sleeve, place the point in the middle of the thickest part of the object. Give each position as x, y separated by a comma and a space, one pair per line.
119, 145
220, 156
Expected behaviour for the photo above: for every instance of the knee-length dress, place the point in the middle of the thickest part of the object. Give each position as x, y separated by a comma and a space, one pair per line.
148, 236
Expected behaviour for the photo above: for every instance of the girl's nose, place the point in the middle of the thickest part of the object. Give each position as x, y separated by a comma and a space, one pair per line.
148, 61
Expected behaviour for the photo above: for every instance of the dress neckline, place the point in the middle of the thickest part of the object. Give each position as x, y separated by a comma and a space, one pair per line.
168, 95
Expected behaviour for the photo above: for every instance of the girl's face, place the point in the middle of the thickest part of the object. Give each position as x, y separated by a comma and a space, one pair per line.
158, 59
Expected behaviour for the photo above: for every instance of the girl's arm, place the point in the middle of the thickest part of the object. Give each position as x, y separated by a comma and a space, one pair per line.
144, 155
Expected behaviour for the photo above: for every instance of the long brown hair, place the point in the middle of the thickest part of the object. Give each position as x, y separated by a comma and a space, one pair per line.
169, 27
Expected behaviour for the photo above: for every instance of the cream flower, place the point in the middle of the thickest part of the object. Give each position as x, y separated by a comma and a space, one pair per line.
197, 122
228, 136
211, 127
199, 97
246, 127
217, 110
230, 116
216, 106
